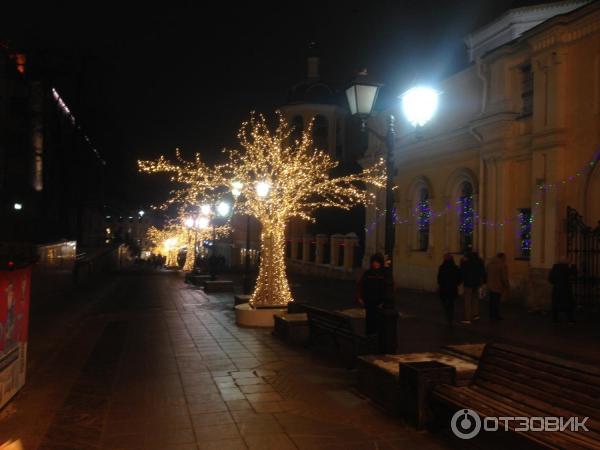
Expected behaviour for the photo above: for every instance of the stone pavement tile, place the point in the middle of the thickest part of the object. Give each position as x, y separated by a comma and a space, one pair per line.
249, 381
225, 444
264, 397
167, 438
308, 442
203, 398
216, 432
208, 407
220, 418
268, 407
200, 389
275, 441
243, 374
233, 394
247, 363
256, 388
238, 405
124, 442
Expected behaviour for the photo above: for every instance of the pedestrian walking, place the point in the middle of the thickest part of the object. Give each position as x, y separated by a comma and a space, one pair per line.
449, 277
372, 292
497, 284
562, 277
473, 275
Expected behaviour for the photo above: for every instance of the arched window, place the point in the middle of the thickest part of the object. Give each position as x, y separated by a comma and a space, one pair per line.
423, 219
466, 217
321, 133
297, 128
419, 197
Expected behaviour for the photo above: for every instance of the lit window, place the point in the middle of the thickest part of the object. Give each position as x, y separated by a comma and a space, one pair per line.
423, 214
525, 222
466, 214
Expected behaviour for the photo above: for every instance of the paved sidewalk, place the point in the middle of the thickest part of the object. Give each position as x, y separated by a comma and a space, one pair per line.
422, 325
158, 364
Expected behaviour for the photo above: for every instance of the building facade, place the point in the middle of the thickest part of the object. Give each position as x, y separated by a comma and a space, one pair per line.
51, 175
512, 145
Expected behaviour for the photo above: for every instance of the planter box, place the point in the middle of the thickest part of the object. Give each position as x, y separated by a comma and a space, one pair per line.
292, 328
196, 279
379, 375
239, 299
218, 286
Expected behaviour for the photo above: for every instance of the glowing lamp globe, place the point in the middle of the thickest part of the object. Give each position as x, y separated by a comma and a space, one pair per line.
419, 105
170, 243
361, 95
205, 209
236, 188
223, 209
202, 223
189, 222
263, 188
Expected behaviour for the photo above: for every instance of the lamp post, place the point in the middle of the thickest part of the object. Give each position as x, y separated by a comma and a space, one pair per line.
361, 95
220, 209
418, 105
236, 190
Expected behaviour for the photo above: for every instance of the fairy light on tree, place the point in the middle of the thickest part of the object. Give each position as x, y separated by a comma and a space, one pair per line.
274, 179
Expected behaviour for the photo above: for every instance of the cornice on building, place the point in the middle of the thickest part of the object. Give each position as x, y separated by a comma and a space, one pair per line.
514, 23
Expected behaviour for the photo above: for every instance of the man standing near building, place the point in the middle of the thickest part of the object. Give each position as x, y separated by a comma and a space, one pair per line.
497, 284
473, 275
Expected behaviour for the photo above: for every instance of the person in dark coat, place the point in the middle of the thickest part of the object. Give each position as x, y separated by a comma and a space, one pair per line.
372, 291
562, 277
473, 276
449, 278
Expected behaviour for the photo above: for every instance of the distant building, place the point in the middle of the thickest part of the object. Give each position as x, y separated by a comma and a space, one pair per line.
51, 176
337, 133
513, 144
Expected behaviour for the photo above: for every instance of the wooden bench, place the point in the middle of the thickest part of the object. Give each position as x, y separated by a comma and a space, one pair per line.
338, 329
513, 382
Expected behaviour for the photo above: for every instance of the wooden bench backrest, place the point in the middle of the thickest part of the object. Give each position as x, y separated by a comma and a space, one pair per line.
329, 320
537, 379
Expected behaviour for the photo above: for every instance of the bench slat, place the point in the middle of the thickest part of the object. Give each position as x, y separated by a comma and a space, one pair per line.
520, 383
466, 397
554, 390
589, 379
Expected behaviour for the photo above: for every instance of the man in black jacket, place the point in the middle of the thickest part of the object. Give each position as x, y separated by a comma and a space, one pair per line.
473, 276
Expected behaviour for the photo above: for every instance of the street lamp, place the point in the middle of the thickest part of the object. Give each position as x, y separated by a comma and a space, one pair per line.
419, 105
263, 188
236, 190
361, 96
210, 214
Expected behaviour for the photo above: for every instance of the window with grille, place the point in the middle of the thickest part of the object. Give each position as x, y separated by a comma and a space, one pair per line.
527, 90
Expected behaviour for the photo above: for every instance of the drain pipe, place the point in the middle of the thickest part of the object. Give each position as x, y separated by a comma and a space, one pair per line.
479, 138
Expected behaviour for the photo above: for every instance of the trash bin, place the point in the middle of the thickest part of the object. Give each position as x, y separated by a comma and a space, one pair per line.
416, 381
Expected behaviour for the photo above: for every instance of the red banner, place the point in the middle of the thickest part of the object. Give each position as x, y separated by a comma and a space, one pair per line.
15, 288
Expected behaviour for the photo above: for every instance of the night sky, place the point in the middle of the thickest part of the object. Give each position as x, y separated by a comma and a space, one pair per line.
144, 79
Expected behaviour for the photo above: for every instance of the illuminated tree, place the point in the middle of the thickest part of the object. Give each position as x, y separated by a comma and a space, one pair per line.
276, 178
273, 178
167, 241
195, 183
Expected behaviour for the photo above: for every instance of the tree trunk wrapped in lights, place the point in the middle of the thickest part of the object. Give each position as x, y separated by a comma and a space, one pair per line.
272, 286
